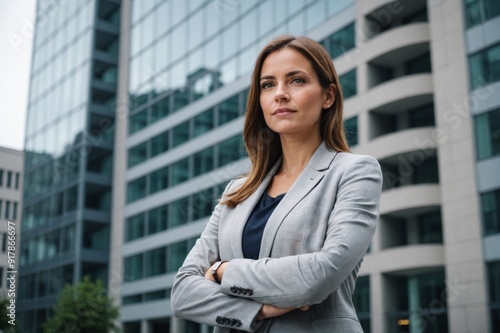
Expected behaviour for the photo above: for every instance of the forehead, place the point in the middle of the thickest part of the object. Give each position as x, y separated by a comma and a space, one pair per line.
285, 60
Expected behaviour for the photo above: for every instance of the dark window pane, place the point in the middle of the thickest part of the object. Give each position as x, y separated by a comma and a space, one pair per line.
203, 203
138, 121
160, 109
229, 110
159, 144
230, 150
430, 229
204, 122
136, 189
179, 214
177, 253
181, 133
133, 268
348, 83
490, 206
134, 227
159, 180
157, 219
156, 262
341, 41
137, 154
203, 161
351, 131
180, 171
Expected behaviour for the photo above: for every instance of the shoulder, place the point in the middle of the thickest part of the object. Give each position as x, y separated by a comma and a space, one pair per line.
355, 164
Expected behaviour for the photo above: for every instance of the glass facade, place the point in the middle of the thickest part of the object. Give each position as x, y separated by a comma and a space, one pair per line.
494, 293
487, 127
361, 301
490, 207
485, 66
478, 11
418, 303
68, 143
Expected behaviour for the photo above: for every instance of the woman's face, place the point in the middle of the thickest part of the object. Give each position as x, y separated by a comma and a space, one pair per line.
291, 96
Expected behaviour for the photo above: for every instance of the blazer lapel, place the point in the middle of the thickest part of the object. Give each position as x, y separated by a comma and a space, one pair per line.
242, 212
307, 180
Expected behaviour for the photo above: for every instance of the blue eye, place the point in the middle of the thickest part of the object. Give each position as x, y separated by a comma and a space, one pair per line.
266, 85
298, 80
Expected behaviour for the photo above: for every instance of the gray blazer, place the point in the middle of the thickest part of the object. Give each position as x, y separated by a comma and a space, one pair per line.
311, 251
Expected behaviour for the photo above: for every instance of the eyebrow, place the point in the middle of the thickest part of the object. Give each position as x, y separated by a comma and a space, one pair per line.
292, 73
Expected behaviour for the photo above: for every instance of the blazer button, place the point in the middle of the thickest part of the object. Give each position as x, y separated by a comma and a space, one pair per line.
244, 291
239, 291
238, 323
227, 321
218, 320
234, 290
233, 322
250, 292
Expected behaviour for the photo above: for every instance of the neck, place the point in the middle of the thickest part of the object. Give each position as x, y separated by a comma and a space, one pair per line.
296, 153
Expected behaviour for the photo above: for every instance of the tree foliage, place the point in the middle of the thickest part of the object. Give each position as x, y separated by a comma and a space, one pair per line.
83, 308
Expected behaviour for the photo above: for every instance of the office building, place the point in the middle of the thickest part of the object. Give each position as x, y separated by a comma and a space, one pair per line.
11, 178
420, 81
69, 146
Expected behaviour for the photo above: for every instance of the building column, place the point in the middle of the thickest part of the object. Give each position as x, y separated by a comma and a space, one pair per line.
464, 263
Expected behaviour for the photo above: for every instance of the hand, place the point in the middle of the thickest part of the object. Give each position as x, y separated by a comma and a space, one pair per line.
220, 271
270, 311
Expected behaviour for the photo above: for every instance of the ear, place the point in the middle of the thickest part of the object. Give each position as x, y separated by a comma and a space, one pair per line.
331, 91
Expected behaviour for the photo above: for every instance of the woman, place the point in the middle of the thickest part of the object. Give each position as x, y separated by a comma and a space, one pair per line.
283, 247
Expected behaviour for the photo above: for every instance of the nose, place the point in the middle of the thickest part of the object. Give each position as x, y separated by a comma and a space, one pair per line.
281, 93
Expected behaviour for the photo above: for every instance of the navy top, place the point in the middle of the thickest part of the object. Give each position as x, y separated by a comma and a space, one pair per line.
254, 228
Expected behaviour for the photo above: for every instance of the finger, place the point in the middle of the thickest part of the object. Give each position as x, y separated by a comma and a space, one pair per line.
304, 308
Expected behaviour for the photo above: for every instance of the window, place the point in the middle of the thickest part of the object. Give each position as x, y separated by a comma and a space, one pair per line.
157, 219
417, 299
203, 161
494, 292
4, 242
429, 228
485, 67
17, 181
490, 206
351, 130
179, 212
422, 116
204, 122
134, 227
9, 179
155, 262
14, 211
159, 144
229, 150
228, 110
180, 171
136, 189
137, 154
202, 204
7, 209
181, 133
341, 41
478, 11
176, 254
1, 177
1, 276
160, 109
361, 300
159, 180
138, 121
133, 268
348, 83
488, 134
420, 64
1, 202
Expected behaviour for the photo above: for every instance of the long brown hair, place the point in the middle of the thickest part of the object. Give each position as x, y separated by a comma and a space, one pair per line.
262, 144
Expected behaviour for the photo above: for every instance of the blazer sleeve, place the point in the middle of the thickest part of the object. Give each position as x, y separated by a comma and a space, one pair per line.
305, 279
196, 298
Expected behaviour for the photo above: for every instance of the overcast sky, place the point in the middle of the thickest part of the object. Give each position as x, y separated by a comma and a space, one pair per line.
16, 39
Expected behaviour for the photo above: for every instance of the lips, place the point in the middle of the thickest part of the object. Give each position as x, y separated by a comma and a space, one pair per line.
282, 111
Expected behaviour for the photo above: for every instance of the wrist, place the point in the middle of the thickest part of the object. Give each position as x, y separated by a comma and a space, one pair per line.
215, 271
